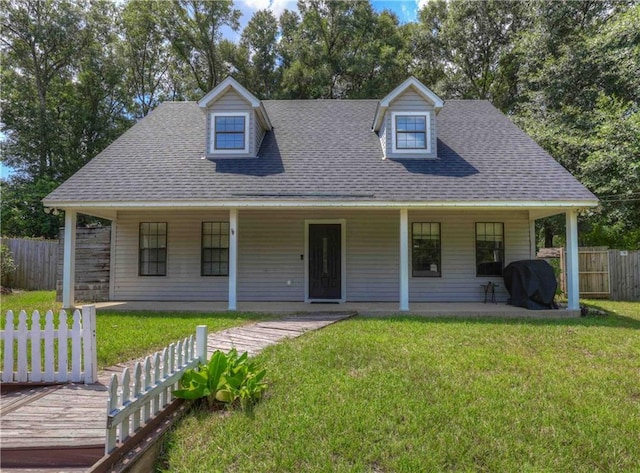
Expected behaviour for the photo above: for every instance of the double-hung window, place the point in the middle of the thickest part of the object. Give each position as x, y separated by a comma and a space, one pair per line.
426, 254
215, 249
410, 132
489, 248
153, 249
229, 133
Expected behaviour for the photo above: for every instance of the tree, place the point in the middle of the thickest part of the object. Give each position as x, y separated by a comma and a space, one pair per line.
259, 37
194, 28
63, 101
40, 44
468, 45
146, 54
581, 100
340, 50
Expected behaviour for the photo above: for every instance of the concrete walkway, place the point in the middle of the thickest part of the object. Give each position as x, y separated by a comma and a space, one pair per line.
62, 428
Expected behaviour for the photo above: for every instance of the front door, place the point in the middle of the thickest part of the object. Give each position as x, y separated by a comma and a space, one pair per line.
325, 255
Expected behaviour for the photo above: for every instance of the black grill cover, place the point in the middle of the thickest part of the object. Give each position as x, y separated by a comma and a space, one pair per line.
531, 284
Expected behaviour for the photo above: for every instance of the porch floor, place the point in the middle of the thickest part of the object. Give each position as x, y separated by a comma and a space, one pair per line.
371, 309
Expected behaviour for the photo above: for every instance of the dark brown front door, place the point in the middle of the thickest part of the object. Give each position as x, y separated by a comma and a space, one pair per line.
325, 261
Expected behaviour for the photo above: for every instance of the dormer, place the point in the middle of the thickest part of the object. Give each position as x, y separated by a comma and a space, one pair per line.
405, 121
236, 121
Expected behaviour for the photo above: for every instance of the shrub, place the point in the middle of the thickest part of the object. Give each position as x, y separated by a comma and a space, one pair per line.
7, 265
229, 379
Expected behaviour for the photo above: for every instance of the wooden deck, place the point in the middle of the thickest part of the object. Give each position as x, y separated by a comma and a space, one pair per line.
62, 428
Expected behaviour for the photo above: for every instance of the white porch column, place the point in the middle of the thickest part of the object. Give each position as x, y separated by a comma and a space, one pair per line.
573, 286
233, 258
532, 238
404, 260
69, 263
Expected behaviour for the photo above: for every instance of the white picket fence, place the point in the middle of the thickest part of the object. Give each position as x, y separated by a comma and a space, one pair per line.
81, 366
133, 402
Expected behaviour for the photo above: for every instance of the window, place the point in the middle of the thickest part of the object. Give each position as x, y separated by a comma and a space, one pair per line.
153, 249
426, 256
229, 133
489, 249
215, 249
410, 132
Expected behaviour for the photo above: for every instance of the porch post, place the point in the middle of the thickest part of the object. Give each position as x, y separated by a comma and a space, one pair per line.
532, 238
573, 287
233, 257
69, 263
404, 260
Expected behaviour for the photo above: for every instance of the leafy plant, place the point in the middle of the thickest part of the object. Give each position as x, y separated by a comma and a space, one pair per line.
7, 265
227, 378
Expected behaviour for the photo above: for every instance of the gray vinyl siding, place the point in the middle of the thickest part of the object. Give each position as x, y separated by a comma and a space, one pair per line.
410, 101
234, 102
459, 281
183, 280
269, 248
272, 241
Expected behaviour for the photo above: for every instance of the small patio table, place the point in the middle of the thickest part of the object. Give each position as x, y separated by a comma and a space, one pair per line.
489, 289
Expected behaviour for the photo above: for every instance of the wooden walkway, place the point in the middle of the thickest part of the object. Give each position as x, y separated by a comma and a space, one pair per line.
62, 428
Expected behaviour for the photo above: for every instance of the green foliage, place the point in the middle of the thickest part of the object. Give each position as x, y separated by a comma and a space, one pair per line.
225, 378
194, 28
7, 265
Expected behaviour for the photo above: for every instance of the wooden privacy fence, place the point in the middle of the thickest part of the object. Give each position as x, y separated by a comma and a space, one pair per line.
625, 275
594, 272
133, 402
604, 273
35, 261
48, 348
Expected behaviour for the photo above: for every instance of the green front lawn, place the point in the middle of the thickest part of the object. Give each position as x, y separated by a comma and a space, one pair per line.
122, 336
426, 394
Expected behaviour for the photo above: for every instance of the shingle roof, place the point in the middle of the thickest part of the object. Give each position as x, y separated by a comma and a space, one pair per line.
323, 150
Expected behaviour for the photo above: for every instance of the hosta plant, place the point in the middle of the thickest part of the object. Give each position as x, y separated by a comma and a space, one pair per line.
228, 378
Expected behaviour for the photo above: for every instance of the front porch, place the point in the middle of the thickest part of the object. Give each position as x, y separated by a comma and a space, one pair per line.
270, 254
367, 309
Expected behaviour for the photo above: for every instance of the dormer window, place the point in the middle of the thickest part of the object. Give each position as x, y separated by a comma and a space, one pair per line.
405, 122
410, 132
229, 133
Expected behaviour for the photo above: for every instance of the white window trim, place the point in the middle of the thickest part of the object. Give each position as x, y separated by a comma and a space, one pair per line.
426, 150
343, 259
212, 136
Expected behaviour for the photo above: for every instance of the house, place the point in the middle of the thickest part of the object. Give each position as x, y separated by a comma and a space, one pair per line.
404, 199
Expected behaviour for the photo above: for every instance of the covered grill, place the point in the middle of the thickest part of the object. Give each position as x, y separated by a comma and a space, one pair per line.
531, 284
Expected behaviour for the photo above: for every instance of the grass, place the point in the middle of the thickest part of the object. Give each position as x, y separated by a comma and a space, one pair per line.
122, 336
435, 394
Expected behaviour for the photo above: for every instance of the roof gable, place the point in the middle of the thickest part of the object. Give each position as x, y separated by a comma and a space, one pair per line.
230, 83
411, 83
